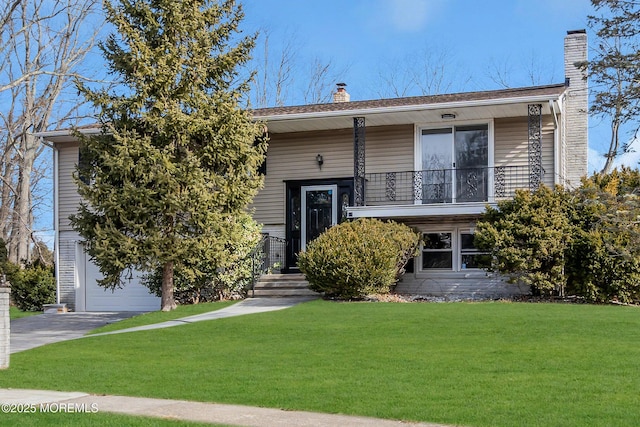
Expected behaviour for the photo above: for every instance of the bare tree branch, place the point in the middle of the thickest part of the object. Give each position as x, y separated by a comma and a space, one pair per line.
44, 44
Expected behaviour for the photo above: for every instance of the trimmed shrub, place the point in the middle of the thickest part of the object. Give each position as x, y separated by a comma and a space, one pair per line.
32, 287
357, 258
604, 261
584, 242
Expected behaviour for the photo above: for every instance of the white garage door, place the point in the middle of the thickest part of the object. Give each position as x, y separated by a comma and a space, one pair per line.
132, 297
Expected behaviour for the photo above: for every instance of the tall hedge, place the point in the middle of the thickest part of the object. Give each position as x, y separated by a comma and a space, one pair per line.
584, 242
528, 237
359, 257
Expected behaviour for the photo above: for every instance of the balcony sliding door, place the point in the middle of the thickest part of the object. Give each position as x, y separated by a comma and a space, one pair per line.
471, 145
455, 164
437, 161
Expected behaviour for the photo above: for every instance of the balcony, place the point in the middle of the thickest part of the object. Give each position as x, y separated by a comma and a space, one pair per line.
487, 184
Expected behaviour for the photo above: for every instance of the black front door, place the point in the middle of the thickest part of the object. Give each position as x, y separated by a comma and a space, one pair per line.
319, 211
312, 207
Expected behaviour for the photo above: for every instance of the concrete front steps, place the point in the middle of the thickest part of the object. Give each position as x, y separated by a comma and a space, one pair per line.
283, 285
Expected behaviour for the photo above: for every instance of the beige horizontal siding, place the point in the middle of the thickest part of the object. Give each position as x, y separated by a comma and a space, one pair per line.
389, 149
293, 157
511, 147
68, 197
67, 268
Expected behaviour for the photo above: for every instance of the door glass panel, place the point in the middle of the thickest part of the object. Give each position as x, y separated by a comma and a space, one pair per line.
344, 205
294, 229
436, 165
294, 219
472, 158
319, 212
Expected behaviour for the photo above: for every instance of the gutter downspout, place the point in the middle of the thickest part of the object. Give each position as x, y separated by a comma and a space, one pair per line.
558, 176
56, 233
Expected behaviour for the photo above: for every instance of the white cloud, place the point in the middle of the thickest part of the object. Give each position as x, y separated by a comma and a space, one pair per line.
407, 15
631, 159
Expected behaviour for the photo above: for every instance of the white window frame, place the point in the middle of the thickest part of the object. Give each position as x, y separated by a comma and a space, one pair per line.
460, 232
452, 250
456, 248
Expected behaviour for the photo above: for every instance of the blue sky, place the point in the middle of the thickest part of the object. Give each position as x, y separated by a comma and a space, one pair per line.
362, 37
364, 33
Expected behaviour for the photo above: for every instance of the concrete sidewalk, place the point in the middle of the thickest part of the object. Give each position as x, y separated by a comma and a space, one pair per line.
189, 411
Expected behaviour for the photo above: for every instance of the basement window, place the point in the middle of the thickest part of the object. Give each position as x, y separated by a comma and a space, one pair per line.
437, 251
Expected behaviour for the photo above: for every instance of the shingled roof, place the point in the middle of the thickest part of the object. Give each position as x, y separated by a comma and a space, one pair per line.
523, 92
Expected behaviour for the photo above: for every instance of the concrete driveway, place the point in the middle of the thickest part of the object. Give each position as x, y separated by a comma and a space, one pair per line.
41, 329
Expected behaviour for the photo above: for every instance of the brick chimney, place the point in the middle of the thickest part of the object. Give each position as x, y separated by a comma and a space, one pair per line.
576, 111
341, 94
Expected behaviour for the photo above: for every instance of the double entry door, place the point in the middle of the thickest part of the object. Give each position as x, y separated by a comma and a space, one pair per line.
312, 208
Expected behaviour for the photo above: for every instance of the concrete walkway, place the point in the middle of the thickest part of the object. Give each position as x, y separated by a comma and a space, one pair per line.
190, 411
35, 331
247, 306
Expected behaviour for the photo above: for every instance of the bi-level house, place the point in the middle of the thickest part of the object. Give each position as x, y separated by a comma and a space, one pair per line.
433, 162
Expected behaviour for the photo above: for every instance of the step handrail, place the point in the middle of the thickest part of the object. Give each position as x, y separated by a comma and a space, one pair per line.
267, 255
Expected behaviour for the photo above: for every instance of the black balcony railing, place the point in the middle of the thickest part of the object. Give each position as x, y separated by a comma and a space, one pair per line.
445, 185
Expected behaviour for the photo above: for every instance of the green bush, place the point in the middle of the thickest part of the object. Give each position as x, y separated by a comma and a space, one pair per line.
357, 258
32, 286
584, 242
527, 238
214, 275
604, 261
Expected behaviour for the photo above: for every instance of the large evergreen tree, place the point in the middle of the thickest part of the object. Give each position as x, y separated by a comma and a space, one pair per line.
174, 168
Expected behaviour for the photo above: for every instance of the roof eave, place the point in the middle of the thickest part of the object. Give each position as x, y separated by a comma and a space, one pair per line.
405, 108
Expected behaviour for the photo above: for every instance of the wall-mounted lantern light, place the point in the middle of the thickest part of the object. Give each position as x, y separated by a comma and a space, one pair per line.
320, 160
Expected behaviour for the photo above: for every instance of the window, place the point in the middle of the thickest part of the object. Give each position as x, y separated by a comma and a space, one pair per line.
470, 256
454, 164
451, 251
437, 251
84, 164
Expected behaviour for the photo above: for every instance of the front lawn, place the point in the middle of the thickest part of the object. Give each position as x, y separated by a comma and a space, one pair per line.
482, 364
89, 420
16, 313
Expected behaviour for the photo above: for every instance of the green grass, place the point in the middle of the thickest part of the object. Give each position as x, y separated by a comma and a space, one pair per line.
163, 316
483, 364
16, 313
38, 419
